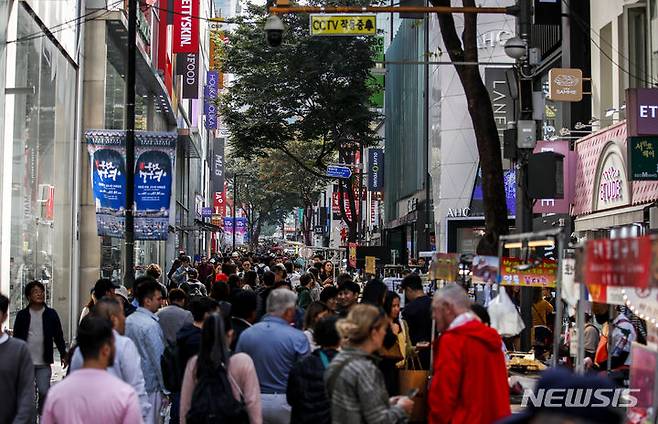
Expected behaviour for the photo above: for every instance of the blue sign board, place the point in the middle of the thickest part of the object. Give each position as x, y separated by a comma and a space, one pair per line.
337, 171
209, 98
206, 212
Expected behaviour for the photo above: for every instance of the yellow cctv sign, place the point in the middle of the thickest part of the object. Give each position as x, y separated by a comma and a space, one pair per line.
343, 24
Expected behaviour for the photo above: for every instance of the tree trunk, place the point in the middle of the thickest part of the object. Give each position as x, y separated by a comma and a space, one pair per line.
486, 133
306, 229
256, 234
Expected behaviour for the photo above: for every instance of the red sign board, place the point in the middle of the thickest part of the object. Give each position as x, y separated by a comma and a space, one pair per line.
543, 274
335, 205
219, 204
186, 26
619, 262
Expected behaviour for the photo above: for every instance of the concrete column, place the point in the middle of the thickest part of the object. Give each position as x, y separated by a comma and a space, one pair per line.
93, 106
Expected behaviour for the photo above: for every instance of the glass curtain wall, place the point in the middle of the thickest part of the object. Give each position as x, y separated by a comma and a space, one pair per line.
42, 169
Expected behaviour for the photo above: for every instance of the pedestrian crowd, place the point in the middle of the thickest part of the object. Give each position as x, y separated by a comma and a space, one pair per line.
247, 339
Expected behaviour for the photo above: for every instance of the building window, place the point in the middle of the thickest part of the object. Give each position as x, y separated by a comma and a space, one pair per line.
42, 168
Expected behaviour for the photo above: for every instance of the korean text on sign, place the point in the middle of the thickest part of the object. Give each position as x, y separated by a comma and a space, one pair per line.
343, 25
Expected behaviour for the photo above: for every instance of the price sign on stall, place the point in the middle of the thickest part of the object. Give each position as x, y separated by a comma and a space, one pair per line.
620, 262
543, 274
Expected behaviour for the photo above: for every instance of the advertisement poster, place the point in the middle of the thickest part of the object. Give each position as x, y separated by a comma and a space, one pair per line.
370, 265
444, 266
108, 179
484, 269
643, 384
154, 172
515, 272
241, 232
621, 262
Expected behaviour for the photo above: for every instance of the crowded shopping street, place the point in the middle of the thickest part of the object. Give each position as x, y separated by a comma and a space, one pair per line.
329, 212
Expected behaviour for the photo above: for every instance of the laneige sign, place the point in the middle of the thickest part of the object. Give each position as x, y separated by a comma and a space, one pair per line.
642, 111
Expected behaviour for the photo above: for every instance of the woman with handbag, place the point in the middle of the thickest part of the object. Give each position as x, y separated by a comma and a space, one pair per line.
394, 351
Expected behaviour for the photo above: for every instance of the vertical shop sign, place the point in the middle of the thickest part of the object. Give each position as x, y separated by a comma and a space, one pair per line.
218, 164
191, 76
501, 100
154, 172
186, 26
219, 204
375, 169
210, 98
352, 254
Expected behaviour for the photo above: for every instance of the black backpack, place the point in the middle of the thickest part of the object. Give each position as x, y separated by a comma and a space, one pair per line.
172, 368
213, 401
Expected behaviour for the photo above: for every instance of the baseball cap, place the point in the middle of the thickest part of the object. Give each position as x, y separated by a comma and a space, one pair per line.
122, 291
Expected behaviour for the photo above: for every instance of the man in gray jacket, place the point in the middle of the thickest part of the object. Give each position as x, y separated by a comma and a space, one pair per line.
16, 375
174, 316
127, 360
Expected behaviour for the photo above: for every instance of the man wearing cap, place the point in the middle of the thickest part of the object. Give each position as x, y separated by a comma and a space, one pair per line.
469, 385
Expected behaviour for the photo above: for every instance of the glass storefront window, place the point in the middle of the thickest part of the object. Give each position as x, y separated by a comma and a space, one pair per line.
42, 170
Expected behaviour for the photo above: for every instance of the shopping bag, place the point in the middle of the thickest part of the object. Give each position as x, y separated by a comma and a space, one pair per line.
413, 377
505, 318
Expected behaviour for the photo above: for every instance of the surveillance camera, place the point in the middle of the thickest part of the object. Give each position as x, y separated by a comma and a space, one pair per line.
516, 48
274, 31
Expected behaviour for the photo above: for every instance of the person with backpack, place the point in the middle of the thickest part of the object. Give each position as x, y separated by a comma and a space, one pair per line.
306, 393
219, 387
188, 344
194, 287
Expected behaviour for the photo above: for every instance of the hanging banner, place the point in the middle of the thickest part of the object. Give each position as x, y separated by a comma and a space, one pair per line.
540, 274
219, 204
154, 170
370, 265
375, 169
240, 230
218, 164
352, 254
108, 179
620, 262
155, 153
190, 76
186, 26
210, 99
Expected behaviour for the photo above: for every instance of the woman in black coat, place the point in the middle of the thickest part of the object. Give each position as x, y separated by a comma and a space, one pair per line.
306, 393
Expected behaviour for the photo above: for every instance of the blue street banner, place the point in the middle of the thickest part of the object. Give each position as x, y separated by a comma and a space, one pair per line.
154, 171
241, 236
108, 178
155, 153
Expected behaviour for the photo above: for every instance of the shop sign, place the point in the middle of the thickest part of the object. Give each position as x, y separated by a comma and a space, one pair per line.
206, 212
444, 266
492, 39
565, 85
612, 188
342, 24
370, 265
218, 164
620, 262
501, 99
191, 76
352, 254
642, 111
186, 26
375, 169
154, 171
458, 212
643, 158
210, 98
569, 176
219, 203
335, 205
542, 274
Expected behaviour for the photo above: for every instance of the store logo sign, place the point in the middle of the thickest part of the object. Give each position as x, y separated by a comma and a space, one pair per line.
186, 26
611, 185
565, 85
642, 111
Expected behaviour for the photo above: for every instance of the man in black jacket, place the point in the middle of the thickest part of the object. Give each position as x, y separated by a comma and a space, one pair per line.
40, 327
306, 393
243, 313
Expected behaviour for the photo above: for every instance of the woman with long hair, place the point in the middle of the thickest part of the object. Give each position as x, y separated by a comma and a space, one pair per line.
214, 357
327, 273
354, 383
315, 312
394, 354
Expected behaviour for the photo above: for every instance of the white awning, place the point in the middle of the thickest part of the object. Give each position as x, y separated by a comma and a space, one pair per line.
611, 218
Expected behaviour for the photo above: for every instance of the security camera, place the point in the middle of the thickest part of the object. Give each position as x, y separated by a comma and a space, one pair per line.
516, 48
274, 31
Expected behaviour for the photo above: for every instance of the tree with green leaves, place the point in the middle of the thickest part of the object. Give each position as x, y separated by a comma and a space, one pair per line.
310, 90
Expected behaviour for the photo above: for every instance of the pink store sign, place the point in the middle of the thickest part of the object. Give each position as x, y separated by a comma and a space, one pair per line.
569, 174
